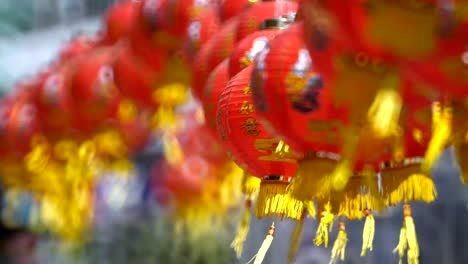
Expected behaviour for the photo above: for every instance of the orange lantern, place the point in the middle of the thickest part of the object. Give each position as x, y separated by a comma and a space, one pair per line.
253, 149
251, 19
212, 53
247, 49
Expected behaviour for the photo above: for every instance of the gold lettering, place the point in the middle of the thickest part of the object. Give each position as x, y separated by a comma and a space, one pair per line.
246, 108
276, 149
250, 127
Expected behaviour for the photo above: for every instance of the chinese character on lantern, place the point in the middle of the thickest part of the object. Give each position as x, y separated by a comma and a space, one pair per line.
246, 108
250, 127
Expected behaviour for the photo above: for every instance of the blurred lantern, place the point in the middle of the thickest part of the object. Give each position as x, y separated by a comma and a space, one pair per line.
120, 19
213, 52
253, 149
94, 91
293, 103
251, 19
214, 87
80, 44
54, 100
202, 27
229, 9
135, 78
247, 49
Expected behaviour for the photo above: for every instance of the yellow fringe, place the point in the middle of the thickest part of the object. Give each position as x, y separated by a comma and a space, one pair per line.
238, 242
339, 247
274, 200
307, 183
407, 184
250, 184
296, 238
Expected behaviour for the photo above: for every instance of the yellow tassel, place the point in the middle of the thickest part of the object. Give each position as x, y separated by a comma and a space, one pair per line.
172, 149
341, 175
368, 233
260, 256
296, 238
408, 239
325, 226
238, 242
406, 184
310, 206
274, 200
308, 180
384, 113
440, 138
250, 184
339, 247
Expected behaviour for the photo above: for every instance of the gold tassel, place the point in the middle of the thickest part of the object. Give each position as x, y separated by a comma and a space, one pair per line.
274, 200
172, 149
408, 239
441, 136
238, 242
260, 256
250, 184
339, 247
368, 233
296, 238
325, 226
384, 113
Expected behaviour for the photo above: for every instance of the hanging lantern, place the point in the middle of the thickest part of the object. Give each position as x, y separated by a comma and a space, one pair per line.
229, 9
201, 29
135, 78
251, 19
212, 53
93, 87
55, 102
253, 149
120, 19
293, 103
247, 49
214, 87
78, 45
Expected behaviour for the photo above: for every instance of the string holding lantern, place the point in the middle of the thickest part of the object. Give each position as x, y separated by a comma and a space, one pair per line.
253, 149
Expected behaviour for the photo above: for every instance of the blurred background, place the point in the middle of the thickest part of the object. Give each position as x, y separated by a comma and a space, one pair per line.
129, 225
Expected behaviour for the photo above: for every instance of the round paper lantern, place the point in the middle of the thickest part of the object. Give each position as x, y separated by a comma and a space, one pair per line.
23, 126
212, 53
93, 87
54, 100
253, 149
251, 19
135, 78
201, 29
214, 87
294, 103
120, 20
78, 45
229, 9
247, 49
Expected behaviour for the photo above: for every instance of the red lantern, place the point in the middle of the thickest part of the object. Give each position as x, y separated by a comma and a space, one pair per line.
5, 110
247, 49
230, 9
54, 100
78, 45
135, 78
200, 30
23, 125
212, 53
252, 148
120, 20
213, 89
94, 90
251, 19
